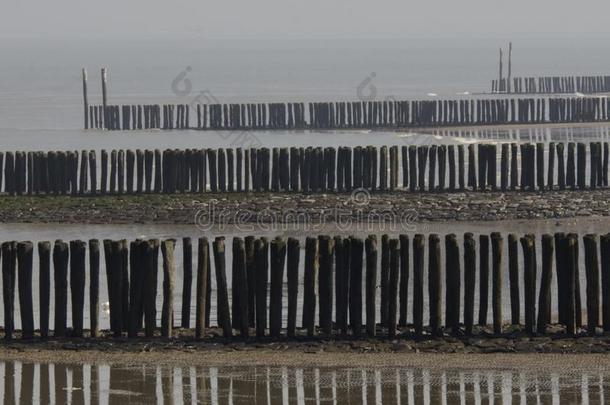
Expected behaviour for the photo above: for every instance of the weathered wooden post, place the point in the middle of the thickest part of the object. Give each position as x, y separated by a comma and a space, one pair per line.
571, 245
294, 251
105, 97
151, 258
561, 174
483, 278
325, 283
529, 277
496, 261
592, 274
571, 171
85, 99
470, 268
544, 297
44, 286
203, 256
240, 293
311, 276
355, 287
187, 282
371, 284
385, 278
261, 253
278, 259
404, 280
605, 280
26, 308
94, 286
224, 313
8, 287
169, 270
513, 276
393, 287
418, 284
60, 265
452, 284
77, 285
434, 283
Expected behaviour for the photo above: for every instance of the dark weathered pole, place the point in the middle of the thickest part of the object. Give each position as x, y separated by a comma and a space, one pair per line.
9, 257
240, 293
529, 277
26, 308
169, 271
224, 313
571, 245
371, 284
325, 283
85, 99
294, 251
483, 278
251, 278
355, 287
44, 286
470, 269
309, 292
77, 284
203, 256
513, 277
393, 287
592, 274
261, 253
277, 261
385, 278
94, 287
496, 291
418, 284
187, 281
105, 97
60, 265
452, 284
605, 280
404, 280
544, 297
434, 283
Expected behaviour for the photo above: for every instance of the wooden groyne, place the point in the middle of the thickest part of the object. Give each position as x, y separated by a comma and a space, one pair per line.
346, 268
552, 85
351, 114
482, 167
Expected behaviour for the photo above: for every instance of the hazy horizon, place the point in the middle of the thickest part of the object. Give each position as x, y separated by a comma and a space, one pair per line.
311, 19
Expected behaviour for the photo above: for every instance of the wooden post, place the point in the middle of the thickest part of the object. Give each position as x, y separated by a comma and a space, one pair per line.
26, 308
452, 284
605, 279
544, 297
85, 99
371, 284
251, 278
470, 268
240, 293
434, 283
325, 283
404, 280
571, 245
529, 276
418, 284
8, 287
496, 261
105, 97
592, 273
203, 256
278, 259
393, 287
355, 287
94, 286
169, 270
483, 278
294, 251
513, 276
77, 285
224, 313
261, 251
60, 265
561, 174
187, 282
385, 278
310, 280
44, 287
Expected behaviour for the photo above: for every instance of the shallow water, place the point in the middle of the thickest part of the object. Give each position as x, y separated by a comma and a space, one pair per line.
40, 383
38, 232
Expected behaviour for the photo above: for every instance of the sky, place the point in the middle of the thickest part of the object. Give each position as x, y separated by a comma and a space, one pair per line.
304, 18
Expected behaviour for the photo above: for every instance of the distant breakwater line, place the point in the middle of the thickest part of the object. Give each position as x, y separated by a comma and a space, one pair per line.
552, 85
452, 168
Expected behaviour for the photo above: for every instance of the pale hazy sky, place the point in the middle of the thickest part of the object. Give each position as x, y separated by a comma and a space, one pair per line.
304, 18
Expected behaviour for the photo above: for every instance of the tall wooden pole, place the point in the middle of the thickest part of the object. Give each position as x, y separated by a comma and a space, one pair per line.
500, 73
85, 99
510, 67
105, 96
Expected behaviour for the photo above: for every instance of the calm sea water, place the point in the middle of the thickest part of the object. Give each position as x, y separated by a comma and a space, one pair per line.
41, 383
41, 95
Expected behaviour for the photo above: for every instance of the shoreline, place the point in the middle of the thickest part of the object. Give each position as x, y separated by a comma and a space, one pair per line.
240, 208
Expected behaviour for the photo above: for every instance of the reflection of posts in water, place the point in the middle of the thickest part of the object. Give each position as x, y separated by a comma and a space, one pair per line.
167, 385
78, 384
61, 382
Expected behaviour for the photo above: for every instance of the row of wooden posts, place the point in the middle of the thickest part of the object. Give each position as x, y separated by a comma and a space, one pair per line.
312, 169
349, 115
554, 84
341, 277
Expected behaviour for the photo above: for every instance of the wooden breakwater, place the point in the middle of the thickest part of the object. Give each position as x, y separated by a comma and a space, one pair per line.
552, 84
504, 167
342, 276
350, 114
